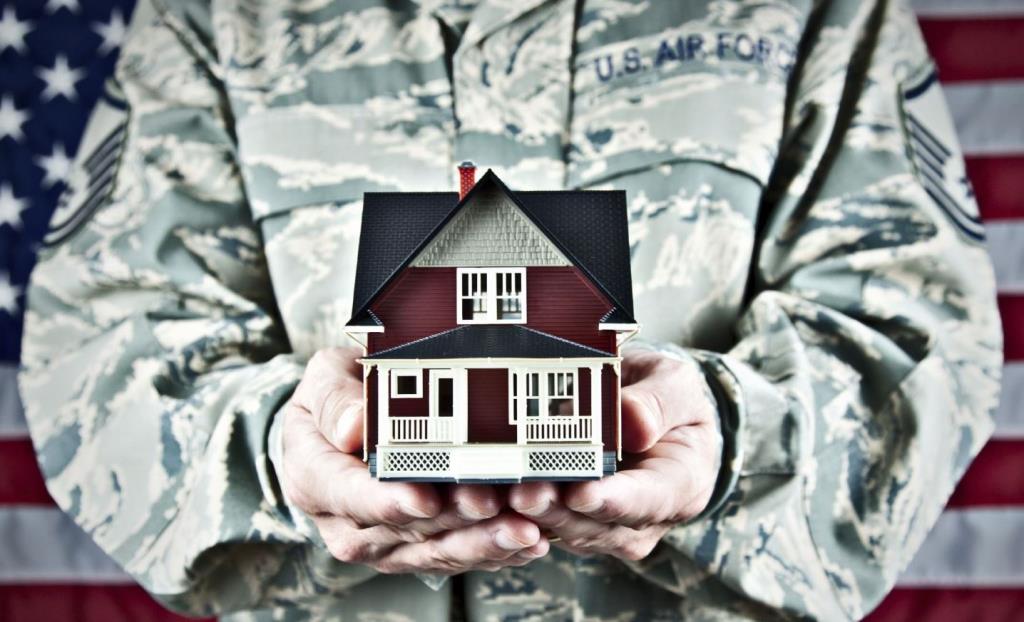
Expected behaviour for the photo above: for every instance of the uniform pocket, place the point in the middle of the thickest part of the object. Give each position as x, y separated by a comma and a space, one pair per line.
306, 168
312, 154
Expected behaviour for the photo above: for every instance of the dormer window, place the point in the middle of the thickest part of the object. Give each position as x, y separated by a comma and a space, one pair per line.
491, 295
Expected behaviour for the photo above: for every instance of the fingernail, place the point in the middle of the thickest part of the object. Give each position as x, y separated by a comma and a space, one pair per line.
345, 422
539, 509
468, 512
507, 542
412, 510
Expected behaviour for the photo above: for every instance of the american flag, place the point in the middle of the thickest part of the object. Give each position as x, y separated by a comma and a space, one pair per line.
54, 57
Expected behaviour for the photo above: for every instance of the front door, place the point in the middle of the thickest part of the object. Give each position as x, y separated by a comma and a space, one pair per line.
443, 406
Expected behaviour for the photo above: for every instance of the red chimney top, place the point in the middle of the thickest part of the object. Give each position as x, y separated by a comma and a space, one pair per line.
467, 178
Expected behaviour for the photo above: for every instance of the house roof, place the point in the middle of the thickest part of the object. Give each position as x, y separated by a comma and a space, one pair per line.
490, 340
589, 227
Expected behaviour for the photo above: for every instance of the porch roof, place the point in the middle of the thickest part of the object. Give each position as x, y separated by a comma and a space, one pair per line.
490, 341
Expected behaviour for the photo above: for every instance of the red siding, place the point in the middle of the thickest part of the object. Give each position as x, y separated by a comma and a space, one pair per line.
488, 407
371, 410
559, 301
411, 406
609, 408
583, 391
419, 303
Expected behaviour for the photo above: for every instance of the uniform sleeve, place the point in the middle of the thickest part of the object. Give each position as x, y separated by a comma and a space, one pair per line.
154, 360
867, 361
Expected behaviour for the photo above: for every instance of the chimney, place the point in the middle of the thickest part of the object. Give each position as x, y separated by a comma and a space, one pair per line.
467, 178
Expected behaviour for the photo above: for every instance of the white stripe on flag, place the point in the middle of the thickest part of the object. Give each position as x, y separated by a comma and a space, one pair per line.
1010, 415
988, 116
12, 422
1005, 240
967, 8
42, 545
977, 547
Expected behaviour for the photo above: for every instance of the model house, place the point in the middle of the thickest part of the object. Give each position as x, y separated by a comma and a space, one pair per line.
491, 321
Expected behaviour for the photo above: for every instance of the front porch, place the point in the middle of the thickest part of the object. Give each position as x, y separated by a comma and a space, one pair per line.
491, 420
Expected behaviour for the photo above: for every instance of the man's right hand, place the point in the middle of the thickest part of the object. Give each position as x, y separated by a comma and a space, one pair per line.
390, 526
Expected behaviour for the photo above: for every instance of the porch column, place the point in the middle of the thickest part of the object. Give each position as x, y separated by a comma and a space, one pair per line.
383, 399
461, 405
595, 404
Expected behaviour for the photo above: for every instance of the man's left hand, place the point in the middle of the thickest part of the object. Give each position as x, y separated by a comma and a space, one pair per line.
670, 431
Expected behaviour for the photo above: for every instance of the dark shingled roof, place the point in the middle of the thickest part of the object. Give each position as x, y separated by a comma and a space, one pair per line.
589, 226
489, 340
394, 224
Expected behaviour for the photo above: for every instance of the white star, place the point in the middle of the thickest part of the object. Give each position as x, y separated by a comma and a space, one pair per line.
61, 79
12, 32
11, 119
55, 5
11, 207
57, 166
112, 32
8, 295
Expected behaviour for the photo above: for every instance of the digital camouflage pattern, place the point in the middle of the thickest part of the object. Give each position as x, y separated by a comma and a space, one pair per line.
788, 230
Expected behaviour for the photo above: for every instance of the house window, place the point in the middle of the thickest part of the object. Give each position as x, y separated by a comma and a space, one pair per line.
406, 383
491, 295
542, 394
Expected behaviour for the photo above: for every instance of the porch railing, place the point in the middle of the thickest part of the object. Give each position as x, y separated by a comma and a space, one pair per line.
421, 429
559, 429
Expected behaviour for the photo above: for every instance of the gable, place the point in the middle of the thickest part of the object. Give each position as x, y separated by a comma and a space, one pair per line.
490, 231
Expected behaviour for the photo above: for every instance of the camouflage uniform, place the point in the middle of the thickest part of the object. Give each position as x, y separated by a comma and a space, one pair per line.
798, 222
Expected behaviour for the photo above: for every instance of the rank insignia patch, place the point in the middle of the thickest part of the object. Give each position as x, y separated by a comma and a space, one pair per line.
932, 143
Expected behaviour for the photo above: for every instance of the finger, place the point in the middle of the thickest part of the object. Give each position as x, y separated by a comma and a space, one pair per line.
332, 392
320, 479
661, 394
585, 536
493, 540
669, 485
533, 498
464, 506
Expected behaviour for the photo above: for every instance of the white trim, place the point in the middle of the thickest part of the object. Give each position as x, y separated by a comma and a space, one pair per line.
491, 363
543, 376
617, 326
490, 296
596, 406
383, 404
359, 330
416, 373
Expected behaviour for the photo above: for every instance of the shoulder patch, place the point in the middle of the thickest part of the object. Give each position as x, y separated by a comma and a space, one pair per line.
934, 149
92, 179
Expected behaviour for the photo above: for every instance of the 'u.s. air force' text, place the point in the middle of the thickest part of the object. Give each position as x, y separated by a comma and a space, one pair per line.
764, 51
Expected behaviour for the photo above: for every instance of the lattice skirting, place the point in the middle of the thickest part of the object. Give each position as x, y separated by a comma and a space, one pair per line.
414, 462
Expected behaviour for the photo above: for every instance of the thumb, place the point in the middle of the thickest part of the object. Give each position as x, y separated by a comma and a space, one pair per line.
643, 418
340, 420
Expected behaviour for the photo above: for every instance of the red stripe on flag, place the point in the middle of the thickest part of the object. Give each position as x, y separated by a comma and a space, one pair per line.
999, 185
976, 49
81, 603
996, 477
950, 605
20, 479
1011, 309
